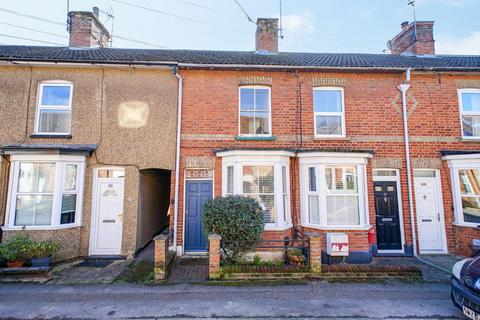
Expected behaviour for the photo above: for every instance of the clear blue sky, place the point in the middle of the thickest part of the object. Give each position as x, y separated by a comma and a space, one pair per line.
309, 25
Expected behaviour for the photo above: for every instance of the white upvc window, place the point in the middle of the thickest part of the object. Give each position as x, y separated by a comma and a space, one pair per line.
255, 111
329, 112
465, 175
333, 190
45, 191
54, 108
469, 101
263, 176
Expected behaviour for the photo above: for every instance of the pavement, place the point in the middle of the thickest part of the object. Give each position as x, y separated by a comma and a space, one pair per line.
314, 300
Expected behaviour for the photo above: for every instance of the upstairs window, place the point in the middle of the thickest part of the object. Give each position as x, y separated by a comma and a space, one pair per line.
54, 108
329, 112
255, 111
469, 100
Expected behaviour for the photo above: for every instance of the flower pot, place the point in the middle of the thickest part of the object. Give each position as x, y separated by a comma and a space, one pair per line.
15, 264
296, 260
41, 262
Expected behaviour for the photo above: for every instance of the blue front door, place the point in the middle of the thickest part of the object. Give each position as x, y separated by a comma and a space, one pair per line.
197, 192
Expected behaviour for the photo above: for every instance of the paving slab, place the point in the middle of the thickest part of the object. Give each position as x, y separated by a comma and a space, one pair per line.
72, 274
429, 273
188, 270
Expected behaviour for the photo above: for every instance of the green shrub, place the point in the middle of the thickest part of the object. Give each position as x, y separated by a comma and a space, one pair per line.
16, 248
44, 249
238, 219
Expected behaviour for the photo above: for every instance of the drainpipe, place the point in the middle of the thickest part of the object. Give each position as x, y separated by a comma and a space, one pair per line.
403, 88
177, 155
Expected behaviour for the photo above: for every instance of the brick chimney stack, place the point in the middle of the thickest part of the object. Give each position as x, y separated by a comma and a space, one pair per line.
266, 37
406, 43
86, 30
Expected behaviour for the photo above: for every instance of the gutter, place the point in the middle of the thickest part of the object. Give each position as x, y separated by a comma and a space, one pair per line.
168, 64
177, 158
403, 88
66, 63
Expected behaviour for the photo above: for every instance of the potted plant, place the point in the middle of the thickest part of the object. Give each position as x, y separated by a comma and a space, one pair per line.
295, 256
16, 250
41, 252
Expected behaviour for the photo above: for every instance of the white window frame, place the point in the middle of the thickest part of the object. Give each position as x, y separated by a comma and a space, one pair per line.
456, 163
466, 113
40, 107
60, 163
321, 160
269, 110
277, 159
341, 114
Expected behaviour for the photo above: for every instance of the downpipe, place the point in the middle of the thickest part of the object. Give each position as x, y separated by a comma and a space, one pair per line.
177, 158
403, 88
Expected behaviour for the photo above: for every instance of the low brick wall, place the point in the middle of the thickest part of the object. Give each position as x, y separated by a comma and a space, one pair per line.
162, 258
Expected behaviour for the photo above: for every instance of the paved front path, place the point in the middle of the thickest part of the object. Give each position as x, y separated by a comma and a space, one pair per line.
314, 300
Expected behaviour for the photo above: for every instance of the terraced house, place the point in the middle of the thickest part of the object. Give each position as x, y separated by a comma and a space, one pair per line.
87, 146
94, 154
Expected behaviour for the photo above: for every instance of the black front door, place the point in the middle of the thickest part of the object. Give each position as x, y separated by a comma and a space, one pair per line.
387, 216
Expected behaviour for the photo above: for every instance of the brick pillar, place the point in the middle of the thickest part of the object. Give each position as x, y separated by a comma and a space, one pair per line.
160, 256
214, 256
315, 255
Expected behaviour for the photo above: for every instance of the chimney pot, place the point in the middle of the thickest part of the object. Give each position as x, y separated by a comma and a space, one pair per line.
404, 25
96, 11
266, 36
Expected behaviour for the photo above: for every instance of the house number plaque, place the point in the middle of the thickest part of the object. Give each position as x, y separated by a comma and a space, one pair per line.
198, 174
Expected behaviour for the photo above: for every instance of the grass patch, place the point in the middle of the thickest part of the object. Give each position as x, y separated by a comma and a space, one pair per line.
138, 272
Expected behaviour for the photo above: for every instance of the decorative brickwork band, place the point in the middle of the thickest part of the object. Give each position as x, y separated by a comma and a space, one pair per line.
315, 255
387, 163
161, 257
214, 256
426, 163
199, 162
255, 80
468, 84
328, 82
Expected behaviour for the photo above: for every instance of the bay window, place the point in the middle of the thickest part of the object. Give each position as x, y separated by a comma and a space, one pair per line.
333, 190
45, 191
263, 176
465, 176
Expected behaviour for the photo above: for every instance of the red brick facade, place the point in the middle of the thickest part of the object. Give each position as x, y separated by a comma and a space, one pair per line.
373, 116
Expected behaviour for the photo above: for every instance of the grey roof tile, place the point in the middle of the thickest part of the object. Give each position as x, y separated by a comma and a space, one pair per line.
246, 58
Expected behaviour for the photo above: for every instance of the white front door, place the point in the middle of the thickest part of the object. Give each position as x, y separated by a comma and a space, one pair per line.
430, 219
107, 212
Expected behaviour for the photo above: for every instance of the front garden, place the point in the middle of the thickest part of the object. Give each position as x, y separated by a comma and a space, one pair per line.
21, 251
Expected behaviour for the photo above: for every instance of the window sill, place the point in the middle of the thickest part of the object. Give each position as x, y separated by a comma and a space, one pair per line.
253, 138
277, 228
331, 138
468, 225
338, 228
41, 228
51, 136
472, 139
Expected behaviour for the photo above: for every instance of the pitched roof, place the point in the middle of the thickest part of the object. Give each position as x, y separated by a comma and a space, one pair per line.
239, 58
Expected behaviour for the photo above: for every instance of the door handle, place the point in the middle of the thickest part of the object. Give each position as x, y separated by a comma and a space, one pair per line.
438, 216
